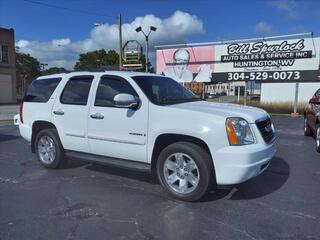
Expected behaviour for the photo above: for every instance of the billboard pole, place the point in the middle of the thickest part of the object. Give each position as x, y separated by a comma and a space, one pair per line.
245, 93
295, 110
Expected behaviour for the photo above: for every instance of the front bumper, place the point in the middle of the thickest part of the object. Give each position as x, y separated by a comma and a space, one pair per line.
236, 164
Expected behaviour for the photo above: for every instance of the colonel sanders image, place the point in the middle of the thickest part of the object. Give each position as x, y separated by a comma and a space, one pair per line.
180, 72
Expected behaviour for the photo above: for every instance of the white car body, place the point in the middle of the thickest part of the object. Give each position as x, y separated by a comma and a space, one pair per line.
131, 135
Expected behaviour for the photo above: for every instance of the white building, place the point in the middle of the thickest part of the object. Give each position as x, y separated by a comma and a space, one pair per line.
285, 92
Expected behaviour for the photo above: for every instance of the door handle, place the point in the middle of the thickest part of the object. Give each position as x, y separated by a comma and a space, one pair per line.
97, 116
58, 112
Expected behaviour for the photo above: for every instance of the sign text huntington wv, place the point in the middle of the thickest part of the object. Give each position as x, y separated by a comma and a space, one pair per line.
287, 60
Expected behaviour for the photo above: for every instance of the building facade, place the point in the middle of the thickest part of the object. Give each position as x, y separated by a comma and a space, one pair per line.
7, 66
232, 88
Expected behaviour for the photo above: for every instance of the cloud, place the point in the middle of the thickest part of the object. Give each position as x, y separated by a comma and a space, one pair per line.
64, 53
290, 7
263, 28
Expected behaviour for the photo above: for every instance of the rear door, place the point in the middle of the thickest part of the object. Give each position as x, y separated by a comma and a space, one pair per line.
117, 132
70, 112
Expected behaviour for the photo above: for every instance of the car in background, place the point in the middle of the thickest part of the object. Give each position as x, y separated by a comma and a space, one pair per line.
312, 118
212, 96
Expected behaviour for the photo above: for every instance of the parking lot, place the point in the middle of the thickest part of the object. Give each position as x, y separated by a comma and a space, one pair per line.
90, 201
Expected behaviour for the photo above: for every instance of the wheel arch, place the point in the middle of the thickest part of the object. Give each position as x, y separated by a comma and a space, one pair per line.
165, 139
37, 126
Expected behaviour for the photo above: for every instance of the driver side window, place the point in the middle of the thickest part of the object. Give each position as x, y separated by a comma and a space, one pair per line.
108, 88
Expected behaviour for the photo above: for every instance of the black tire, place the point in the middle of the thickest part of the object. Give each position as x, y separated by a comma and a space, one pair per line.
59, 160
317, 138
204, 165
307, 129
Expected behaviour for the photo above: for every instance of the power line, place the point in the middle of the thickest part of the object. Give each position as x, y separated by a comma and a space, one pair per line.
69, 9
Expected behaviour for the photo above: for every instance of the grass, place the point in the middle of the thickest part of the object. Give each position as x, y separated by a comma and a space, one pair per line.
6, 122
277, 107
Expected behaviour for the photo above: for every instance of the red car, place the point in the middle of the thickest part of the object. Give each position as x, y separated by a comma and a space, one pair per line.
312, 119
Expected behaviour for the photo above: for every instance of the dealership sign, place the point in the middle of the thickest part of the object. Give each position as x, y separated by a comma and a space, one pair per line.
288, 60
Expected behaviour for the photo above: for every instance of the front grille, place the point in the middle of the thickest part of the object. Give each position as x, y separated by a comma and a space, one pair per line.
266, 130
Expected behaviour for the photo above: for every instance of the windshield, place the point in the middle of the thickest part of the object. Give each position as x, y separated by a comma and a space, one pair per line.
164, 90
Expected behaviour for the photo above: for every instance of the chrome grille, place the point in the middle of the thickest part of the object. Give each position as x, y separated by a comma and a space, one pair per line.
266, 130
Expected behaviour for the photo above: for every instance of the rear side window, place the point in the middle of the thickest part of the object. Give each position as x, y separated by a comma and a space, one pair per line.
76, 91
108, 88
41, 90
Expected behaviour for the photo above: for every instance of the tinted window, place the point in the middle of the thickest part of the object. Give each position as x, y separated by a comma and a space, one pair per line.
164, 90
76, 91
41, 90
108, 88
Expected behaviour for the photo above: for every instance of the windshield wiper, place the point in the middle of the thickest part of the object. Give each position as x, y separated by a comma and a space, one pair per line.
179, 100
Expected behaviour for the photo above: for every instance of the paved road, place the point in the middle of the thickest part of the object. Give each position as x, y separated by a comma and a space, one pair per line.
89, 201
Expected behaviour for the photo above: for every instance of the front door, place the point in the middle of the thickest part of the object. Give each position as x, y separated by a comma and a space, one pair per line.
70, 113
113, 131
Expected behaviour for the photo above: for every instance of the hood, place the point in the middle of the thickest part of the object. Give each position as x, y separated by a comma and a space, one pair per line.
251, 114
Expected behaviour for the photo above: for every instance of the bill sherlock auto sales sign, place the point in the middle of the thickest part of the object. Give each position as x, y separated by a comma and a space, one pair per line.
288, 60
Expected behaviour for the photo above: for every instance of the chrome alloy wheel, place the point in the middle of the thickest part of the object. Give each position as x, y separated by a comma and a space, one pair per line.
46, 149
318, 138
181, 173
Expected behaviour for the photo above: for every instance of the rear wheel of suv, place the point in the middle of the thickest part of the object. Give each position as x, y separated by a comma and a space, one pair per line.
49, 149
317, 138
185, 170
307, 130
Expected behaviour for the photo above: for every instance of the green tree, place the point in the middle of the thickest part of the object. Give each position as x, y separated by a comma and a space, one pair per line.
28, 68
150, 67
98, 60
102, 60
54, 70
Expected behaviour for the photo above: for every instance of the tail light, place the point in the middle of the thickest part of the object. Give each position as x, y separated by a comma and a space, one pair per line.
21, 112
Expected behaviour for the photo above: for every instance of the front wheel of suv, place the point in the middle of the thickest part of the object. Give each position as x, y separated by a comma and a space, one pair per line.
185, 170
49, 149
307, 130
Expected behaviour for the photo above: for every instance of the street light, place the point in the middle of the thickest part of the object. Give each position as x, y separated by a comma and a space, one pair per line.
42, 66
139, 29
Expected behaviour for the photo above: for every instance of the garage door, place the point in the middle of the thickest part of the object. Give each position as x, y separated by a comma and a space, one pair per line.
5, 88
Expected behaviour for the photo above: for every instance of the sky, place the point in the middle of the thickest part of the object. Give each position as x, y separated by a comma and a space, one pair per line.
57, 31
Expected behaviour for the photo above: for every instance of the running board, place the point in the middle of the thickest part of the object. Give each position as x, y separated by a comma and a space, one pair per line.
110, 161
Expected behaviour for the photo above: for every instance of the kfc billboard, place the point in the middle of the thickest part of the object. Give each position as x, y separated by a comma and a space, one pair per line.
288, 60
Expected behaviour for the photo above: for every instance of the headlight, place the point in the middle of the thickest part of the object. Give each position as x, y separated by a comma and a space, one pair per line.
239, 132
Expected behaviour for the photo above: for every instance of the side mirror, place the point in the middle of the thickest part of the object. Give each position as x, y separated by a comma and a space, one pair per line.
314, 100
124, 100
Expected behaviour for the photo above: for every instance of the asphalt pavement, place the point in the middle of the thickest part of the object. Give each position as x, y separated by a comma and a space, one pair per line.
91, 201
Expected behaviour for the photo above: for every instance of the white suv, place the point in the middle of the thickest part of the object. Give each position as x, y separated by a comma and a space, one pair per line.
146, 122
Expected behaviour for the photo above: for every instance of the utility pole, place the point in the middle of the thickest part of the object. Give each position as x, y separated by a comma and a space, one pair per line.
147, 45
120, 41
